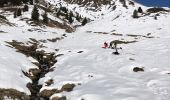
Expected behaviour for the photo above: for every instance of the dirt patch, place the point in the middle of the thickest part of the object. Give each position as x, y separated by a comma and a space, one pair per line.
101, 32
48, 93
59, 98
54, 39
122, 42
116, 34
145, 36
12, 94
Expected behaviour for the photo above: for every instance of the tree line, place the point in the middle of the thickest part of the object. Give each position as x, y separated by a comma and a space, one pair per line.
15, 2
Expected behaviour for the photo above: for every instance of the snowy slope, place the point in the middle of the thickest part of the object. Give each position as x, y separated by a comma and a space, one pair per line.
104, 76
97, 73
112, 76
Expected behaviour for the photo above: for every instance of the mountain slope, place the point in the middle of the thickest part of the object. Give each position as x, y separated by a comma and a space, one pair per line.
80, 69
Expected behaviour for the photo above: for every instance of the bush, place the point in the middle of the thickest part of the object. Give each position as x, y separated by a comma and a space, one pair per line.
35, 14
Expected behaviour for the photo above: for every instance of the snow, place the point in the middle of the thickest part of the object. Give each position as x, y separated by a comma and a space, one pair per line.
97, 73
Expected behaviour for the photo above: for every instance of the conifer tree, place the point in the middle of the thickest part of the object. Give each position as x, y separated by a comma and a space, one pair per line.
19, 12
58, 12
84, 22
31, 2
45, 18
25, 8
78, 17
70, 19
15, 14
35, 14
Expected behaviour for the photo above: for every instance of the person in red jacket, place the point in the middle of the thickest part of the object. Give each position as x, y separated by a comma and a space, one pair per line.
105, 45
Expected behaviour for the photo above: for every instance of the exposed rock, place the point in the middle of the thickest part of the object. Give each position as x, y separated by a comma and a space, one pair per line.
59, 98
48, 93
79, 51
137, 69
68, 87
49, 82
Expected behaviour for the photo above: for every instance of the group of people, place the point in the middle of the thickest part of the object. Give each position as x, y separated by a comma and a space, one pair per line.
112, 45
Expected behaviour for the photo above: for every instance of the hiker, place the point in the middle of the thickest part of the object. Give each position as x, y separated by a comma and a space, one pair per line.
115, 46
105, 45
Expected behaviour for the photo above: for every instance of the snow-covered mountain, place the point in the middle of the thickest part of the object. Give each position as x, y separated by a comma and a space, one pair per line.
43, 61
94, 8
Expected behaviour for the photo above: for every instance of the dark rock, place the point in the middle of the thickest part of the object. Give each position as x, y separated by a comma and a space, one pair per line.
137, 69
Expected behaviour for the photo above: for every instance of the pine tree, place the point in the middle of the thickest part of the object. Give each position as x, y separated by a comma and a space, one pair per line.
25, 1
70, 19
35, 14
26, 8
19, 12
15, 2
135, 14
78, 17
15, 14
58, 13
31, 2
84, 22
45, 18
140, 10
